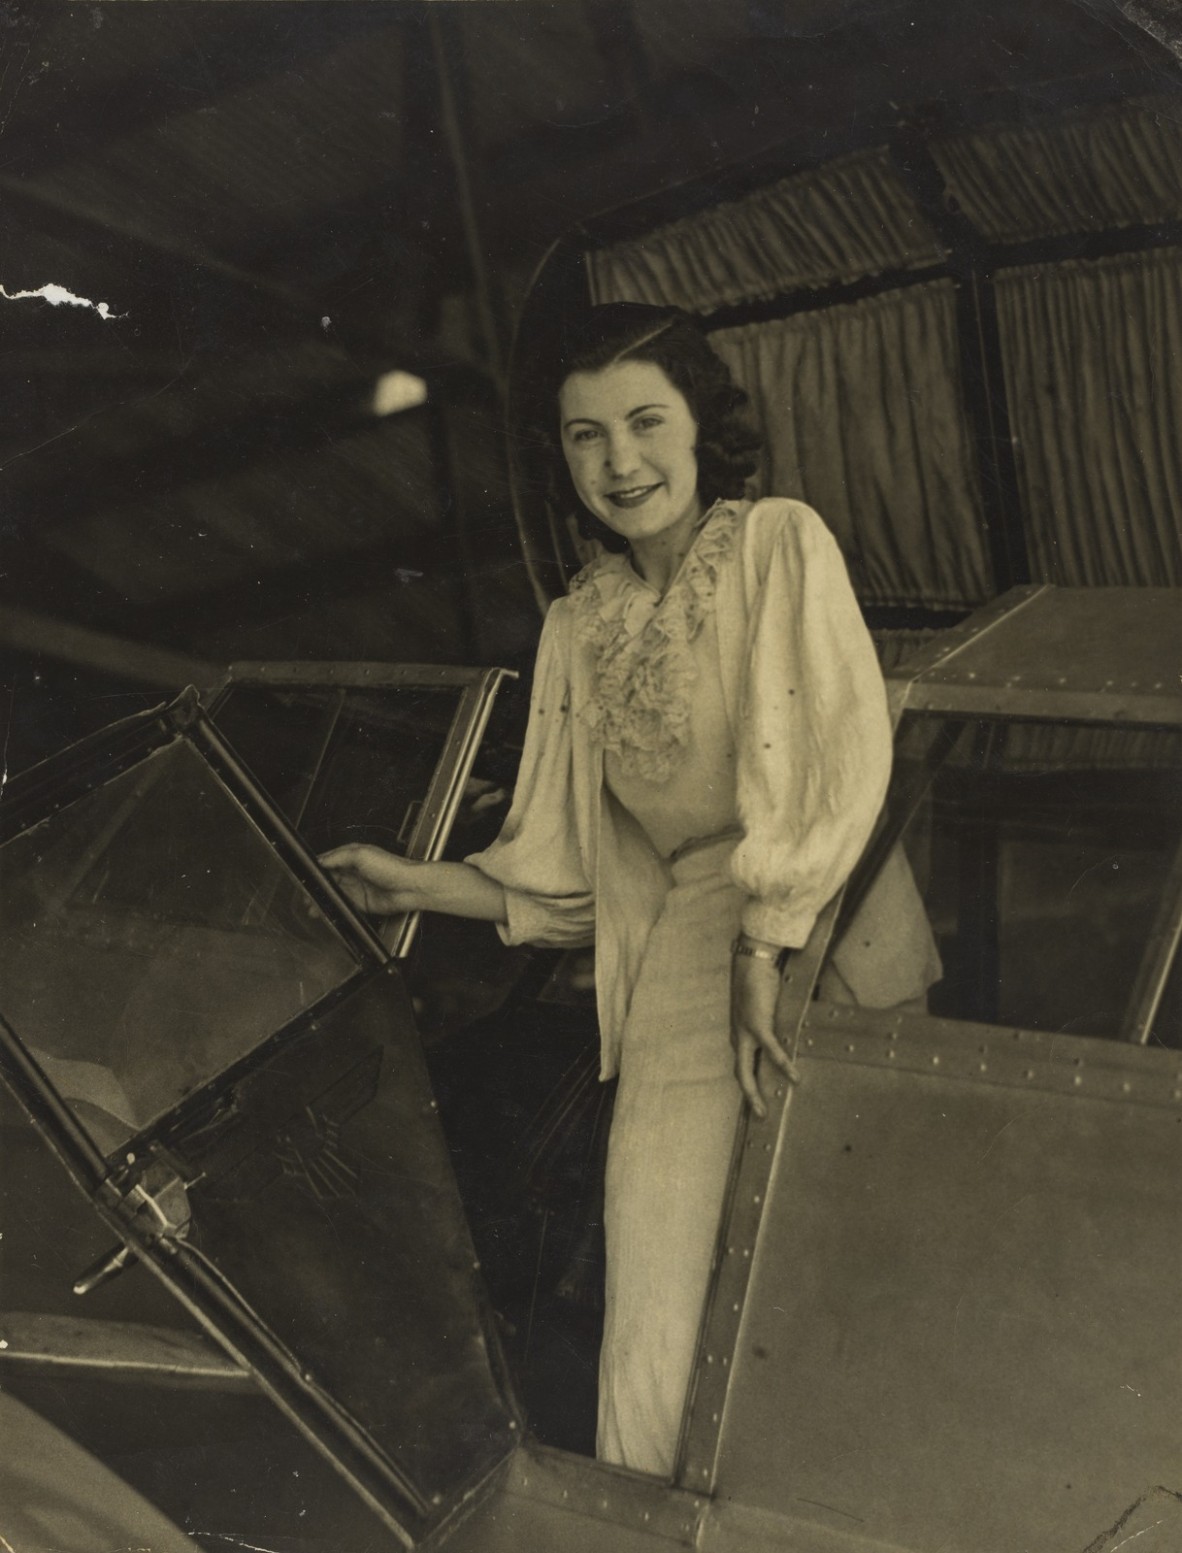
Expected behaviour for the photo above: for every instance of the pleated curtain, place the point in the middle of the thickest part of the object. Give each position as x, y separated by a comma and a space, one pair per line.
1092, 171
851, 217
1093, 369
861, 403
861, 411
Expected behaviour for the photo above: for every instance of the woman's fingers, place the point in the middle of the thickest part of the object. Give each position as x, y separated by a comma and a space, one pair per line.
340, 857
368, 876
358, 893
752, 1049
746, 1050
755, 992
365, 861
776, 1052
343, 864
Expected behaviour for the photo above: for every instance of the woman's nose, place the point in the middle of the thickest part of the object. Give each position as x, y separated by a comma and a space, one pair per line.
621, 455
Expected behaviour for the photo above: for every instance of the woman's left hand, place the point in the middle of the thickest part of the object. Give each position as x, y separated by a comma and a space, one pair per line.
755, 991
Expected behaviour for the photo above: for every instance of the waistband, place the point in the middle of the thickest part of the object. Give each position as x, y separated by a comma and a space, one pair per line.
700, 843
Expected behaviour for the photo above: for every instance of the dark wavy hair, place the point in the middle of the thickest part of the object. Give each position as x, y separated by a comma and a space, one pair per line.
728, 446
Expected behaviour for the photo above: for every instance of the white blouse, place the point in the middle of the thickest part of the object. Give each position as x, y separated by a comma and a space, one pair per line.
811, 735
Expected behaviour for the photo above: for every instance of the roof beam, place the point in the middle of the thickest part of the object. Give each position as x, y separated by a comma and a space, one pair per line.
42, 636
210, 451
72, 223
291, 590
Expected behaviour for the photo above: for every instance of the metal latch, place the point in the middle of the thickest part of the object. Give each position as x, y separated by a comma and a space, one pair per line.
157, 1201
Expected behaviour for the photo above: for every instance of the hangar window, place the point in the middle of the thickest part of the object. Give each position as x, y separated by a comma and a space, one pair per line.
1048, 858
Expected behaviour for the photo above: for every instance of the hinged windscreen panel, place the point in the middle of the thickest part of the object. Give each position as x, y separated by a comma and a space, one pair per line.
150, 938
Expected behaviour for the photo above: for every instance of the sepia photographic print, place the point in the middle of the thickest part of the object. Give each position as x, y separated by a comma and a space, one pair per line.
591, 784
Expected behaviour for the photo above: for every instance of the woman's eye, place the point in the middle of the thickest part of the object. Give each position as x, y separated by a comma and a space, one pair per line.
647, 422
584, 434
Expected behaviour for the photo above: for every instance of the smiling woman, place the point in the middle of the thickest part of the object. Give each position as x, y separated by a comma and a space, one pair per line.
707, 752
630, 440
670, 354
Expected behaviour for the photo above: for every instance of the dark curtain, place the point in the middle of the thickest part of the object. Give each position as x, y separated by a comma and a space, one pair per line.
1093, 369
861, 411
849, 218
1092, 171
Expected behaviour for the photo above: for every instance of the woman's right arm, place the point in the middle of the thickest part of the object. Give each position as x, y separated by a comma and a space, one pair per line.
537, 857
531, 881
388, 885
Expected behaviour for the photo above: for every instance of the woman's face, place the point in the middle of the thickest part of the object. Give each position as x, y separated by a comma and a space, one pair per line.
629, 439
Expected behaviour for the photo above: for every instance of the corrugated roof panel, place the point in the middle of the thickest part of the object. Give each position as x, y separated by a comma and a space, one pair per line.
357, 493
271, 153
536, 68
688, 34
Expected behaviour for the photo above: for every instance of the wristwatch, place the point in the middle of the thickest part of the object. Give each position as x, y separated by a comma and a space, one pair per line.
743, 949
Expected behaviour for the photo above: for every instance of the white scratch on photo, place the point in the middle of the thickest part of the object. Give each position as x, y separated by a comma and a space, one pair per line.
58, 296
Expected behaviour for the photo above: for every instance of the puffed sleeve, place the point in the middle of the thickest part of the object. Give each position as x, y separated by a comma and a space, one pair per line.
814, 750
536, 856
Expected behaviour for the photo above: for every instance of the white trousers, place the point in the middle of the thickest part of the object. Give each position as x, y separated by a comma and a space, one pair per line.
668, 1158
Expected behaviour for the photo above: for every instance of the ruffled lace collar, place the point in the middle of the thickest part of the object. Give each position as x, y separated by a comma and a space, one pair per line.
639, 706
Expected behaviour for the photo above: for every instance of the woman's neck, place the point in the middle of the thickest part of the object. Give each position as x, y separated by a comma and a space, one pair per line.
659, 558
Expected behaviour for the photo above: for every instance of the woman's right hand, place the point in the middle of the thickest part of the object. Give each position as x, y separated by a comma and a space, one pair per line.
373, 880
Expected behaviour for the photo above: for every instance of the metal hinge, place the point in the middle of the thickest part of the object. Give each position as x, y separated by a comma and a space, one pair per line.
156, 1201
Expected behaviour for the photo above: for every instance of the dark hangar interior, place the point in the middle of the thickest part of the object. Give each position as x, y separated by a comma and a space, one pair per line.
279, 203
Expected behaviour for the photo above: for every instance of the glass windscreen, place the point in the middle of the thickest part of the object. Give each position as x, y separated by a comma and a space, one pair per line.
150, 938
1043, 853
1165, 1028
342, 765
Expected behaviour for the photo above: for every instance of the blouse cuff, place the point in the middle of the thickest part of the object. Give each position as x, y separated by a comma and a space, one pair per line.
565, 922
786, 925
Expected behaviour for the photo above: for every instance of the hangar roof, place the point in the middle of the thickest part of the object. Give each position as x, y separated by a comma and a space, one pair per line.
278, 202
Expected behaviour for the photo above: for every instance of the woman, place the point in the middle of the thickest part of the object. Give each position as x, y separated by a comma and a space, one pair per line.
707, 751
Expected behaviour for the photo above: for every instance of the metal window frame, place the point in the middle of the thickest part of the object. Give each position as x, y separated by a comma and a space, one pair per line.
478, 690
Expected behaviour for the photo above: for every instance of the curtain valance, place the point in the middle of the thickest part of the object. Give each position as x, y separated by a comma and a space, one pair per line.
849, 218
1117, 166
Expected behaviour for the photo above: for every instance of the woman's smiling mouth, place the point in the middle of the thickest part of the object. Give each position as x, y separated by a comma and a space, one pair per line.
633, 497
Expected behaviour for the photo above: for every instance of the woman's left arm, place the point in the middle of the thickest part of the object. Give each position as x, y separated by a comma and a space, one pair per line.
756, 982
814, 760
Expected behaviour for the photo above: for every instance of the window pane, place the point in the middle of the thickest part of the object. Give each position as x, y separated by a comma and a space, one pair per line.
343, 765
1166, 1029
1042, 852
149, 938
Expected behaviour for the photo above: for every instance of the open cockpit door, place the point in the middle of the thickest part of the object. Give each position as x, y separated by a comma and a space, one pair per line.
945, 1312
373, 752
225, 1058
